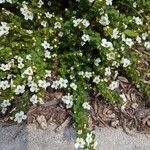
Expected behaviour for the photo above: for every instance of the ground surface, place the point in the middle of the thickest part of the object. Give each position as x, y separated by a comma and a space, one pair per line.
33, 138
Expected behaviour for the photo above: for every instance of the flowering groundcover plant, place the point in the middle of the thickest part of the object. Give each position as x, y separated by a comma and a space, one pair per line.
92, 41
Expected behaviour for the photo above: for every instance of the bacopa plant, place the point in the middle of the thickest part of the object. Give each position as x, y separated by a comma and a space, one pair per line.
70, 45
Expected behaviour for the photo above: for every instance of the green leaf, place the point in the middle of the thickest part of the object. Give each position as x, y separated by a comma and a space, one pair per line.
131, 33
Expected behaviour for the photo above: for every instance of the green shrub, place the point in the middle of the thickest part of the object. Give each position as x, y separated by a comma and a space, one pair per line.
82, 45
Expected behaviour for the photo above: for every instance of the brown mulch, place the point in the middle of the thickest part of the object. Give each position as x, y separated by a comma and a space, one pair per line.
135, 116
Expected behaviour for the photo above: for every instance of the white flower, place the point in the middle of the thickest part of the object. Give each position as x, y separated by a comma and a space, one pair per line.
48, 73
76, 22
28, 71
57, 25
85, 37
20, 116
4, 28
115, 34
20, 89
5, 67
28, 57
109, 2
63, 83
144, 36
47, 54
43, 84
88, 74
68, 100
107, 71
96, 79
73, 86
138, 39
91, 1
113, 85
4, 85
48, 15
28, 15
97, 61
55, 84
110, 56
134, 4
80, 143
147, 45
107, 44
40, 3
126, 62
2, 1
129, 42
85, 22
44, 23
33, 86
89, 139
5, 103
138, 21
46, 45
86, 106
34, 99
104, 20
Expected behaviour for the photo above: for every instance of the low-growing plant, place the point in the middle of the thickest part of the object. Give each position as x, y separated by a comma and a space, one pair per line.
73, 45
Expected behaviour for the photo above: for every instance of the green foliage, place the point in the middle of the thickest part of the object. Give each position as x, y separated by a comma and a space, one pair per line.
70, 45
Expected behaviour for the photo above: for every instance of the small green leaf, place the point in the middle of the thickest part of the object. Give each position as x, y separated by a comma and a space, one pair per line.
130, 33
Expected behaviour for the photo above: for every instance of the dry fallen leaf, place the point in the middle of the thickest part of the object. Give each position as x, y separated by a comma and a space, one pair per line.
42, 122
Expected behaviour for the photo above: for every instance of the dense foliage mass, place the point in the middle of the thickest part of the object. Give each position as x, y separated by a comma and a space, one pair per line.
71, 45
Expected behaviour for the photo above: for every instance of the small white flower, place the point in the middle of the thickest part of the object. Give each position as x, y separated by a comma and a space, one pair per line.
138, 39
126, 62
48, 15
86, 106
138, 21
40, 3
4, 28
20, 89
85, 37
68, 100
5, 103
109, 2
147, 45
97, 61
55, 84
80, 143
20, 116
57, 25
115, 34
4, 85
47, 54
43, 84
2, 1
86, 23
46, 45
88, 74
34, 99
63, 83
91, 1
96, 79
113, 85
129, 42
107, 71
144, 36
107, 44
76, 22
134, 4
28, 71
73, 86
89, 139
104, 20
44, 23
48, 73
